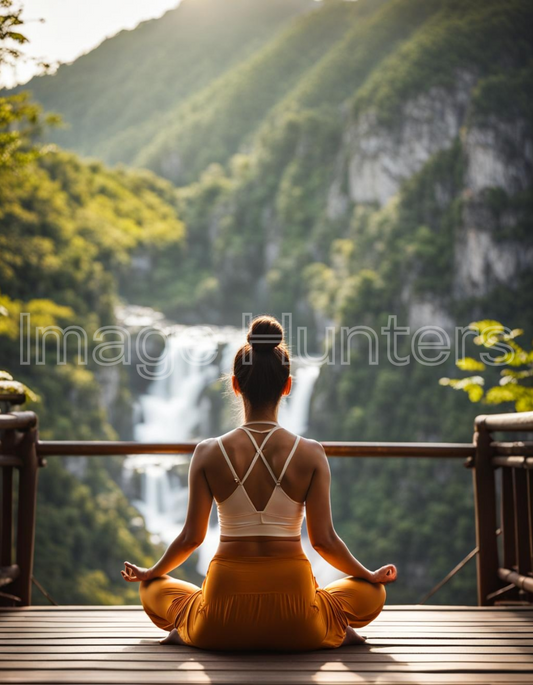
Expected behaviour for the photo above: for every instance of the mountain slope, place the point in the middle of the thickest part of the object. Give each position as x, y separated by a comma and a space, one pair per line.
212, 125
141, 73
331, 146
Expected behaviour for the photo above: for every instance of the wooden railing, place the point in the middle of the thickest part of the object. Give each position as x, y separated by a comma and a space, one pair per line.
18, 435
20, 449
513, 518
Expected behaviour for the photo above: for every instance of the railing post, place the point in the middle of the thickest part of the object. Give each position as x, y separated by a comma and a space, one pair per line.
27, 506
523, 548
6, 515
507, 519
485, 509
530, 514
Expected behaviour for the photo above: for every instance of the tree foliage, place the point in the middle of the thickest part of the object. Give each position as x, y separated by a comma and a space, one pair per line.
11, 39
515, 384
65, 226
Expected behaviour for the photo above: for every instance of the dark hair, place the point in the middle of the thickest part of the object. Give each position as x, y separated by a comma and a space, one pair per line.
262, 365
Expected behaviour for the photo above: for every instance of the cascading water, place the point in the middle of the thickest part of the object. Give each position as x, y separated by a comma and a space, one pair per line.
177, 408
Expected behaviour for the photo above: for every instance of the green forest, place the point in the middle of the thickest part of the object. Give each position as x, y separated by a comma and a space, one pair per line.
342, 161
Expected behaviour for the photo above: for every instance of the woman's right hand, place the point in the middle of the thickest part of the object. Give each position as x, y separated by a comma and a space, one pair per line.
135, 574
385, 574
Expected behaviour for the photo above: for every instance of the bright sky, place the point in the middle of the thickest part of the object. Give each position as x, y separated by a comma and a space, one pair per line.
73, 27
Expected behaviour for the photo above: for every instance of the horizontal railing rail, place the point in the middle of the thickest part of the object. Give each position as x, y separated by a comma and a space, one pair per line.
518, 448
20, 420
514, 422
420, 450
513, 462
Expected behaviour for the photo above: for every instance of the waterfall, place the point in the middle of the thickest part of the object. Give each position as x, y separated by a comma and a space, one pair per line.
172, 410
177, 408
294, 411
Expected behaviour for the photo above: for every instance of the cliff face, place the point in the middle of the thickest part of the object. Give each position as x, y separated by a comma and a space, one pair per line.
401, 151
375, 161
380, 159
499, 159
436, 205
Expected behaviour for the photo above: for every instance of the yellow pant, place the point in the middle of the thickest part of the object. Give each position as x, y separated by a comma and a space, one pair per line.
261, 603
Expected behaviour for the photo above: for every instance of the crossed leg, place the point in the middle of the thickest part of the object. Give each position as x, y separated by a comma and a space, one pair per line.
361, 601
162, 599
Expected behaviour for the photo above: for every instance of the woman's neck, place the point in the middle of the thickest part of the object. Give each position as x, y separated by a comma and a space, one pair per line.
257, 416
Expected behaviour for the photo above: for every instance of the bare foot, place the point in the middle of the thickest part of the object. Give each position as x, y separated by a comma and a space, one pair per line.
352, 638
172, 639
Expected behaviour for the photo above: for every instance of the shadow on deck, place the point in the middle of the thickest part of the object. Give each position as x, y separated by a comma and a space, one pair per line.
406, 644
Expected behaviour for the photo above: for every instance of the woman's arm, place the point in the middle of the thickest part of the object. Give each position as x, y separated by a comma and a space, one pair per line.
194, 528
322, 534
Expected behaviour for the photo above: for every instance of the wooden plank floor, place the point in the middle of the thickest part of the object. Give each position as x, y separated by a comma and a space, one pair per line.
406, 644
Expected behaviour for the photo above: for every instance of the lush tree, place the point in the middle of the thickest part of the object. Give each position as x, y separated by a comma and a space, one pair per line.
65, 226
515, 384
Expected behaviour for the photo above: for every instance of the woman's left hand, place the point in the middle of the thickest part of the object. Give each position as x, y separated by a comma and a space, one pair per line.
134, 574
385, 574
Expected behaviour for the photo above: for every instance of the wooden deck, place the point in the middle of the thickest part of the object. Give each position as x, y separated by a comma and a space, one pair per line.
406, 644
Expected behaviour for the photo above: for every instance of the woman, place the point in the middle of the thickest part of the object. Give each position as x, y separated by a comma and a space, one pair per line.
260, 591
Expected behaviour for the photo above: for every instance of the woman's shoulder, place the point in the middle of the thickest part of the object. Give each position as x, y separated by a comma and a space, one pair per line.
208, 447
313, 448
204, 449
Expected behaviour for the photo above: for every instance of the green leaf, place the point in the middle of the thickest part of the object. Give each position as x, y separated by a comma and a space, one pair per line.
475, 392
512, 392
472, 385
489, 331
517, 357
482, 326
513, 334
470, 364
508, 375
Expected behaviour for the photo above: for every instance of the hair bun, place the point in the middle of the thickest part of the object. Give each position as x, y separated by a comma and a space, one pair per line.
265, 334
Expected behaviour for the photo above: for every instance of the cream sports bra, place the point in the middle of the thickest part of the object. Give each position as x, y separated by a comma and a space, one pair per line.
281, 517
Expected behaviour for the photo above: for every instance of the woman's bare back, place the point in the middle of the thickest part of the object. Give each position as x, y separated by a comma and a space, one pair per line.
259, 484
